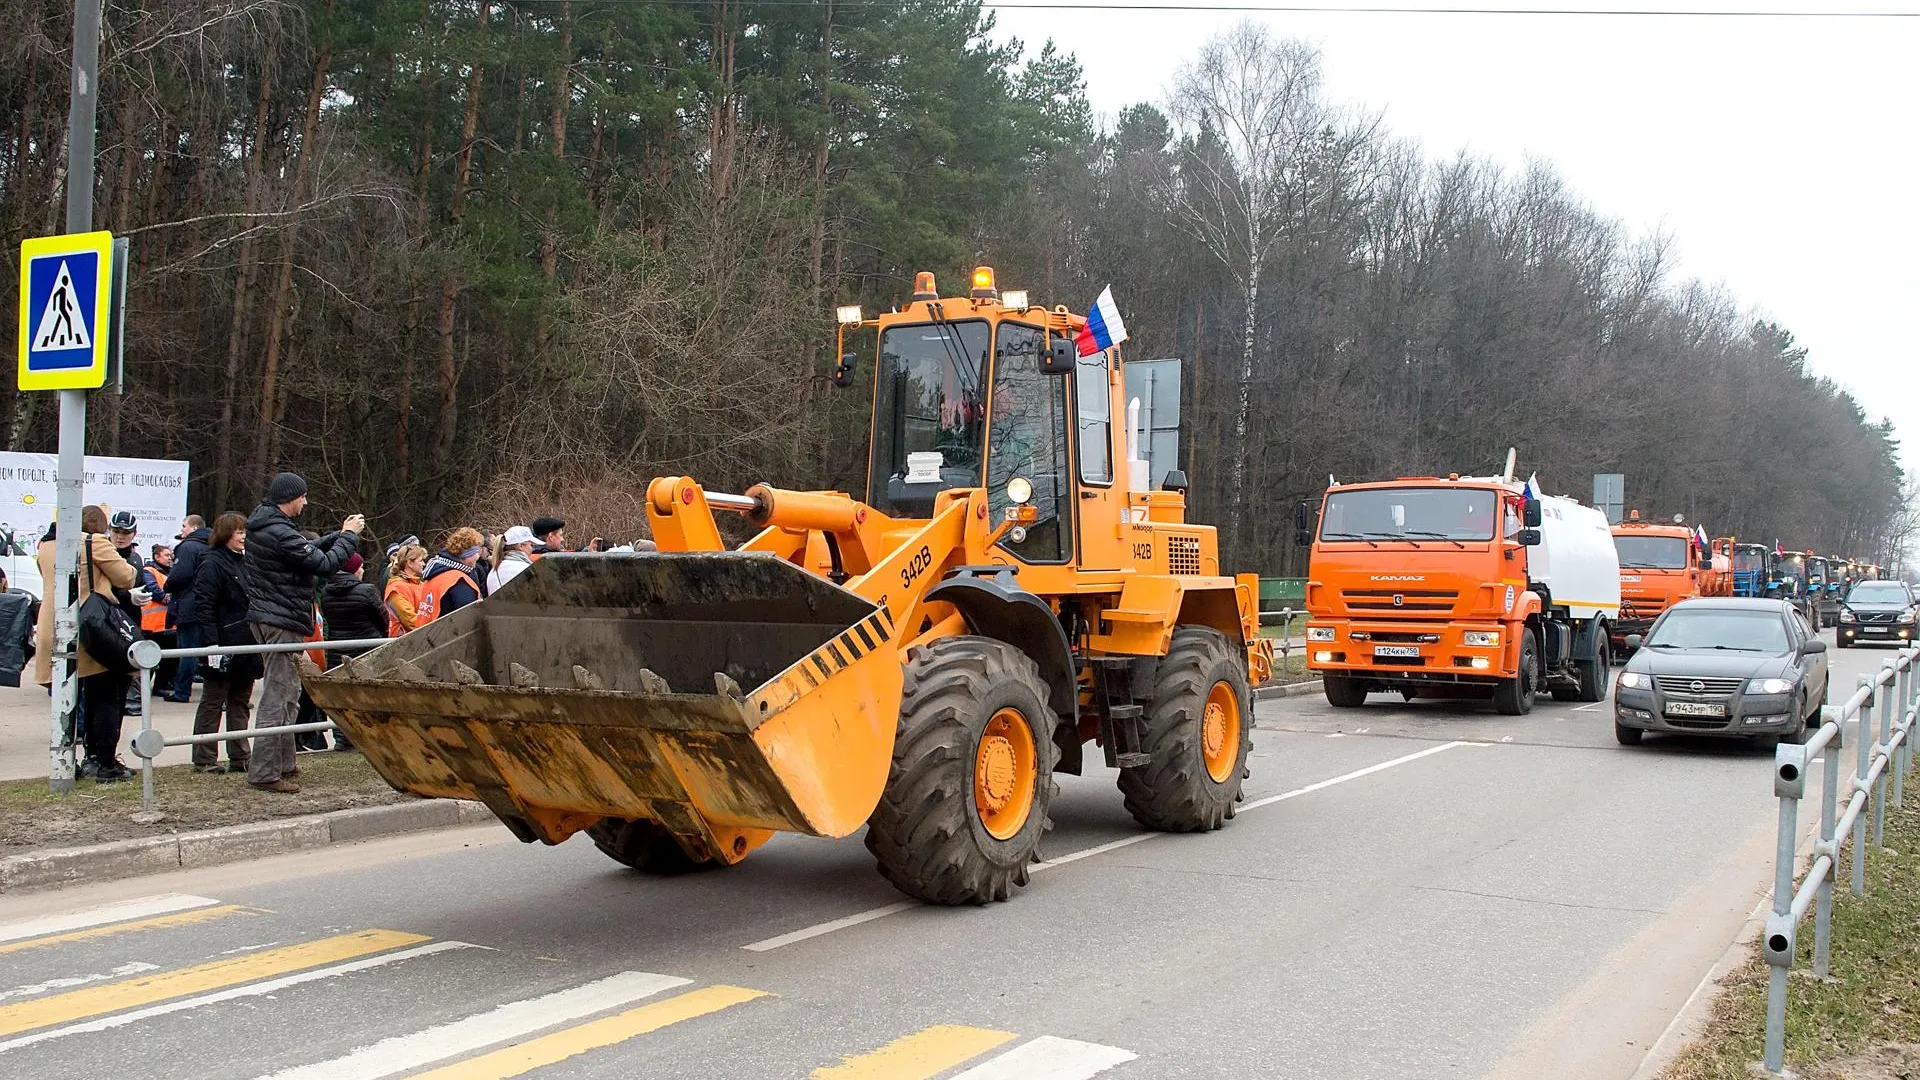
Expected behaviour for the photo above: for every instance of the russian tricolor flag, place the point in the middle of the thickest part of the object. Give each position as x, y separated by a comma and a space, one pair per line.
1700, 537
1104, 327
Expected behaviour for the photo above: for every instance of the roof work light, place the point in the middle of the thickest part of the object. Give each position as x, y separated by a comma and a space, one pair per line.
983, 283
848, 315
1015, 299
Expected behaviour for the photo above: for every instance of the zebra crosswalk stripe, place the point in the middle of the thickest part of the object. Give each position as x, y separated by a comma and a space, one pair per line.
1050, 1058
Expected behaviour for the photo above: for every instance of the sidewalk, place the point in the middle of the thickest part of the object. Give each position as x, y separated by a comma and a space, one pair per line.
25, 716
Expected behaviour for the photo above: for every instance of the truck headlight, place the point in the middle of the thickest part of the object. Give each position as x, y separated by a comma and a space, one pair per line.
1635, 680
1769, 686
1484, 638
1319, 633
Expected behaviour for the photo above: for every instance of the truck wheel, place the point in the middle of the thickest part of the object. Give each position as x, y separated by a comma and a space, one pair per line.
1197, 731
1592, 672
966, 798
645, 846
1344, 692
1514, 697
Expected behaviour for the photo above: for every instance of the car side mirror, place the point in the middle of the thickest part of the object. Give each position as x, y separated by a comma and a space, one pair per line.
843, 371
1530, 514
1527, 538
1811, 646
1634, 641
1060, 357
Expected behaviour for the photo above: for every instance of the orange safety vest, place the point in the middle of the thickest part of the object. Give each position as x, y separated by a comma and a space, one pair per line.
153, 617
434, 591
414, 592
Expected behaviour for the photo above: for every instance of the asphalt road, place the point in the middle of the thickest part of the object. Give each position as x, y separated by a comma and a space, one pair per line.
1424, 891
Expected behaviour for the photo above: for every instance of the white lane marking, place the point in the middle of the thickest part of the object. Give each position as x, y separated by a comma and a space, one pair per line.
1098, 849
261, 989
514, 1020
1337, 735
70, 981
1050, 1058
1589, 708
830, 927
144, 907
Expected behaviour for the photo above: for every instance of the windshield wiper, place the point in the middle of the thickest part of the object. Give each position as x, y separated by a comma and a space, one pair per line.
1660, 645
1351, 536
1433, 535
1732, 648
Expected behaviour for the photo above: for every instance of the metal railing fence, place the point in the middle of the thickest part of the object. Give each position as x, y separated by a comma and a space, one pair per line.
1881, 759
148, 744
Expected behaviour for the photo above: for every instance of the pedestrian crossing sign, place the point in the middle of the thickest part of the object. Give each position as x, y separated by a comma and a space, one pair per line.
65, 309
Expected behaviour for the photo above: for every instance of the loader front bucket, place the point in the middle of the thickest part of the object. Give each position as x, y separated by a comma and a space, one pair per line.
718, 693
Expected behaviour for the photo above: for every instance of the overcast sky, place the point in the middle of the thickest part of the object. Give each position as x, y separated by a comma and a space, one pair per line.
1781, 154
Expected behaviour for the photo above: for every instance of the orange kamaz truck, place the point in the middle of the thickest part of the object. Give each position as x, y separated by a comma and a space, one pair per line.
1459, 587
1661, 564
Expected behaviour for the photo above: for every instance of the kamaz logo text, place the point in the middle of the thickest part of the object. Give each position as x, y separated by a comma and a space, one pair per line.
1398, 577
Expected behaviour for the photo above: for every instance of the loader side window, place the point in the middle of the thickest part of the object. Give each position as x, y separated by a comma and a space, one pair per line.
1093, 399
929, 416
1028, 437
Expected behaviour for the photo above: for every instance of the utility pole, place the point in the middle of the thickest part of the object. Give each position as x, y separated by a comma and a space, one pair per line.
63, 590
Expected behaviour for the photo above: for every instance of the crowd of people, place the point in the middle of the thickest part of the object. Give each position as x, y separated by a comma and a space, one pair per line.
260, 579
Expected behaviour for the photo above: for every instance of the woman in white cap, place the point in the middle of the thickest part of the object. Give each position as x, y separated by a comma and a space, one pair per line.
516, 555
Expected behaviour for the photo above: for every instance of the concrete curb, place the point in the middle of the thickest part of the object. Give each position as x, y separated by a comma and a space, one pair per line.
233, 843
1286, 690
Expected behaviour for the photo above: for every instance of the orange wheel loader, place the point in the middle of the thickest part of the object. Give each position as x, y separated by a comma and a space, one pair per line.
921, 662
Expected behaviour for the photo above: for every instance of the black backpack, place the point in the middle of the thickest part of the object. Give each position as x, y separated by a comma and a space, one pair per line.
106, 632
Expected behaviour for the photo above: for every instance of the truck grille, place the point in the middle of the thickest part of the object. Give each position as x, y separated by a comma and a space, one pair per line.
1183, 555
1687, 684
1408, 599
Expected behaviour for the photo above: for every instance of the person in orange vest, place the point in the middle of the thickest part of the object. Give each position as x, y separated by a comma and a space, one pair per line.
154, 617
450, 584
405, 588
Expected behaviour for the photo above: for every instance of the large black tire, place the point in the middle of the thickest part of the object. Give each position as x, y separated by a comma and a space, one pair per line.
927, 834
1198, 757
1344, 692
1627, 736
645, 846
1590, 674
1514, 697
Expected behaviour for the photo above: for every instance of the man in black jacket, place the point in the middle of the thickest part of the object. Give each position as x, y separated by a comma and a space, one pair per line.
279, 571
192, 548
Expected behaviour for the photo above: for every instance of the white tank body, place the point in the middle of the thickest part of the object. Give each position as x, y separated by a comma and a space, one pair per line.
1576, 559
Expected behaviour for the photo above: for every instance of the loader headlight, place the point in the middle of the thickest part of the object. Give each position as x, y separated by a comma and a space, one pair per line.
1017, 534
1019, 490
1487, 638
1015, 299
1319, 633
848, 315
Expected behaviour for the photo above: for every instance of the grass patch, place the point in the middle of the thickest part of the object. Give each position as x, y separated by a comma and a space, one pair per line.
1865, 1025
1290, 669
32, 818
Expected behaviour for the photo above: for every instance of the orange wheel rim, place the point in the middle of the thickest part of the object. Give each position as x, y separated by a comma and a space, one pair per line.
1003, 774
1220, 732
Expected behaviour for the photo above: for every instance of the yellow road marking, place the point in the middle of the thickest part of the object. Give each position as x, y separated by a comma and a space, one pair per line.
158, 922
99, 1000
917, 1056
568, 1042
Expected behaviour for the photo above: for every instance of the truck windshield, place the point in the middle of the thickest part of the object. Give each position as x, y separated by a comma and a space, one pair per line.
1433, 514
1750, 558
1652, 552
1719, 628
929, 414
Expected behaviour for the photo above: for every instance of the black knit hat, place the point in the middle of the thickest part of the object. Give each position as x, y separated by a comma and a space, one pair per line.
542, 526
285, 488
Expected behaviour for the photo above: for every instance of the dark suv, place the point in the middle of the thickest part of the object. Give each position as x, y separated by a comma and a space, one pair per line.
1877, 611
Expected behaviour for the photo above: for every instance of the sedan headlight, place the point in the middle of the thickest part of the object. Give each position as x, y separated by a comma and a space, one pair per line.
1319, 633
1906, 617
1846, 615
1636, 680
1485, 638
1769, 686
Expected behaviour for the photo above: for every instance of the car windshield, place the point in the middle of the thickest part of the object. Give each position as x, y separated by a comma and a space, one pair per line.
1720, 628
1431, 514
1652, 552
1878, 592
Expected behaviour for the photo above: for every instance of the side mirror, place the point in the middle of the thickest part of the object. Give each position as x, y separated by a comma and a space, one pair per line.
1302, 529
1530, 514
1704, 562
843, 371
1527, 538
1060, 358
1811, 646
1634, 641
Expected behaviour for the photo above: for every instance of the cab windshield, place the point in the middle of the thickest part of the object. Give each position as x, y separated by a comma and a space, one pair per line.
1750, 558
929, 414
1652, 552
1414, 514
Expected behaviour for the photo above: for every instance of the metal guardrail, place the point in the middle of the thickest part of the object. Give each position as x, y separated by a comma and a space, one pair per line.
1891, 752
1284, 617
148, 655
